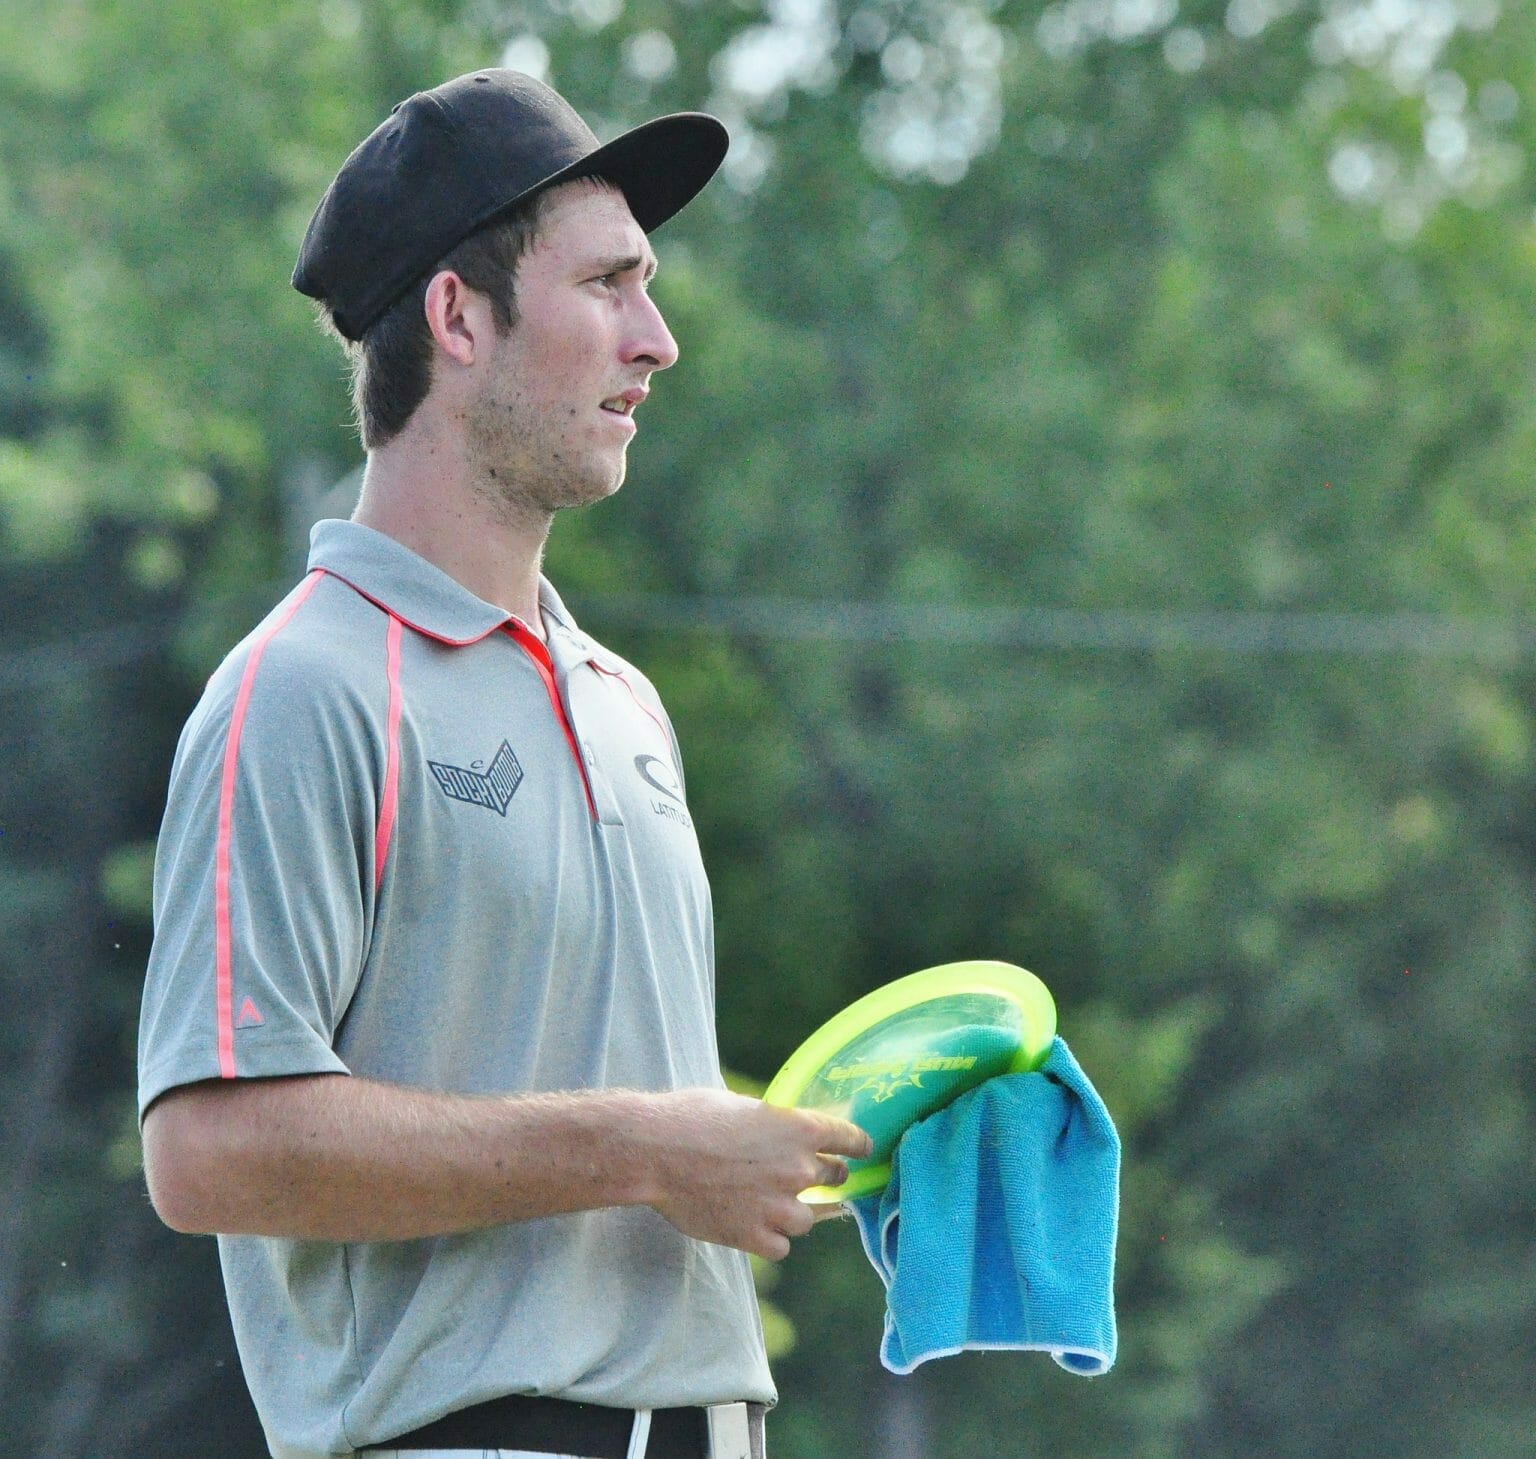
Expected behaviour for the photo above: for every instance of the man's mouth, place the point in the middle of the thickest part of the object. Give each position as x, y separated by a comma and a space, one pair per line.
625, 404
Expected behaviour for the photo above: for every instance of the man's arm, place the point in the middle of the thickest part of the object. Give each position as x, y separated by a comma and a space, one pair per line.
338, 1158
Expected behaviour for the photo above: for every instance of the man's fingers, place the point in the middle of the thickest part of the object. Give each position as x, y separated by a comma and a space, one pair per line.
751, 1162
797, 1219
774, 1246
832, 1172
841, 1137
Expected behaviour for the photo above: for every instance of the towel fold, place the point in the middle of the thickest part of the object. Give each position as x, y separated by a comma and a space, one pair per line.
997, 1229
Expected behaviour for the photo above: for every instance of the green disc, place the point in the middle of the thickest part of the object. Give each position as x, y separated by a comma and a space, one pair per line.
908, 1049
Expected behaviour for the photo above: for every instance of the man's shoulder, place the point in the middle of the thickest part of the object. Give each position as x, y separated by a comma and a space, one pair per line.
321, 644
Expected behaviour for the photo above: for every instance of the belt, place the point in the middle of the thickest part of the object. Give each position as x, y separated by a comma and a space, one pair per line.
561, 1426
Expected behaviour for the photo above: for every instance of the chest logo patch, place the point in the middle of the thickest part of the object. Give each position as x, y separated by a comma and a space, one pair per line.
660, 776
492, 786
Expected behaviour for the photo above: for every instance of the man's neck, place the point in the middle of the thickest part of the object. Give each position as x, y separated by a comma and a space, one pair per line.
422, 497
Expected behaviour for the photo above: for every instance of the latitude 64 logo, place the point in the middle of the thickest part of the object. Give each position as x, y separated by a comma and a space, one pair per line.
492, 787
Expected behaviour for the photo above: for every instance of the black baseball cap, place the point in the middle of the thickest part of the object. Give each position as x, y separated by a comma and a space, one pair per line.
447, 161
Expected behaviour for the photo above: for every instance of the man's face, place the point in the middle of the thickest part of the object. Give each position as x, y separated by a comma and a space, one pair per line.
550, 417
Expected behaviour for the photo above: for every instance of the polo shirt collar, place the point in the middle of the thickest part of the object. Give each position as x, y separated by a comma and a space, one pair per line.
418, 592
568, 645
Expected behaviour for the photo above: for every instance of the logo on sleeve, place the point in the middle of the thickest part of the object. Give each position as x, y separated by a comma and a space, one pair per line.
493, 787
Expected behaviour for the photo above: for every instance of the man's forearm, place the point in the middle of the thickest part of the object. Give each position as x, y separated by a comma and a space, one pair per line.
334, 1158
350, 1159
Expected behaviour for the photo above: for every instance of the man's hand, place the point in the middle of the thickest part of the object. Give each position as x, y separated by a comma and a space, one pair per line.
729, 1169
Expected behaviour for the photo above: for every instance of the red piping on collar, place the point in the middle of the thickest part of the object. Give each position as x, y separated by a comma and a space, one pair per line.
410, 623
546, 667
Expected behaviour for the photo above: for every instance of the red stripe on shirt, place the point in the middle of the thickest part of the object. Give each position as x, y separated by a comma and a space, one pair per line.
224, 979
661, 724
392, 755
546, 667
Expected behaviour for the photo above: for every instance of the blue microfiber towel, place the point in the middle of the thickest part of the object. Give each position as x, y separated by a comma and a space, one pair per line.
997, 1229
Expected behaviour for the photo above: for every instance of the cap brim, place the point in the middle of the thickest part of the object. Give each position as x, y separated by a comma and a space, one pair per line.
659, 166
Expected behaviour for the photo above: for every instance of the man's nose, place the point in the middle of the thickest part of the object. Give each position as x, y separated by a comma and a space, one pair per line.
649, 340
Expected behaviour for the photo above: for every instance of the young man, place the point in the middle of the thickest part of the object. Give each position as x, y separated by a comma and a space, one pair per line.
428, 1028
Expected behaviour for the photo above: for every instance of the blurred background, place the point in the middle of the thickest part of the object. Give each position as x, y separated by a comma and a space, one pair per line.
1091, 525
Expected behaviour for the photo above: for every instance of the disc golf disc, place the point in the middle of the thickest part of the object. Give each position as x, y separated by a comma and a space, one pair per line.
901, 1053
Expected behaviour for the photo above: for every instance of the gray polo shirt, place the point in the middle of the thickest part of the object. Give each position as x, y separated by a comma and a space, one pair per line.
404, 841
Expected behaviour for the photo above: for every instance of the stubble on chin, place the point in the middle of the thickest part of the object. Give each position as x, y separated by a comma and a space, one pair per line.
521, 484
520, 498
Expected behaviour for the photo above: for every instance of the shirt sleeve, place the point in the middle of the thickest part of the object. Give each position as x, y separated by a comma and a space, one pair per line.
264, 887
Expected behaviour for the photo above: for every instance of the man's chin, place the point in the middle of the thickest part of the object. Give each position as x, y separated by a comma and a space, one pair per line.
598, 489
554, 493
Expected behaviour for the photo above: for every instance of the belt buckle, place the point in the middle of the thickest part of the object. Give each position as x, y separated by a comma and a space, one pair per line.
730, 1433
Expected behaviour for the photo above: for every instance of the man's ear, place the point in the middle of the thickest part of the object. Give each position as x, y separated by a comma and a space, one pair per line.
460, 318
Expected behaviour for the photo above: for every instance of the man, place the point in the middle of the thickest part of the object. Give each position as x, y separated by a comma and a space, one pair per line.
428, 1027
